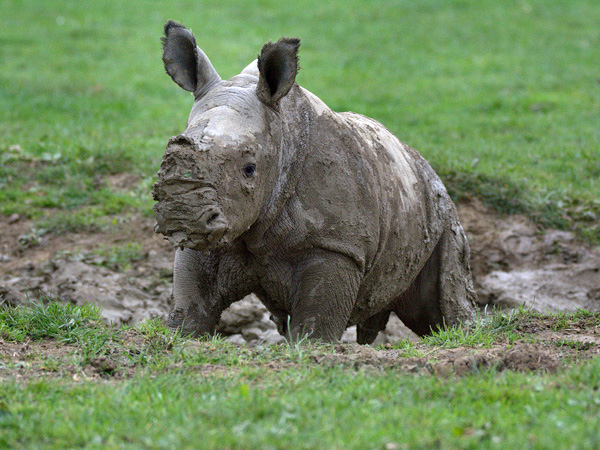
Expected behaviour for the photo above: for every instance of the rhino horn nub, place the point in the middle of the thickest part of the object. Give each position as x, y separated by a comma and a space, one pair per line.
277, 66
185, 63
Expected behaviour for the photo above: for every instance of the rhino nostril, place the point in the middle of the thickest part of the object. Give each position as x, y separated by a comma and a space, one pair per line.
212, 221
212, 218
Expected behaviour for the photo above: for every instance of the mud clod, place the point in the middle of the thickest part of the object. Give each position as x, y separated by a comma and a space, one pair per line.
526, 357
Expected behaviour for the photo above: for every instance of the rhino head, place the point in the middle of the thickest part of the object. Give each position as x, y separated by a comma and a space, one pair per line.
216, 176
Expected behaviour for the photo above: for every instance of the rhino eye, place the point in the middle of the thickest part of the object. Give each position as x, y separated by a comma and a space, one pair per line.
249, 170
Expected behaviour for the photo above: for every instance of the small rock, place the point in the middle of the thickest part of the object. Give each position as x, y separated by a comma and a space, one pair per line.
273, 337
236, 339
252, 334
13, 218
241, 315
349, 335
395, 331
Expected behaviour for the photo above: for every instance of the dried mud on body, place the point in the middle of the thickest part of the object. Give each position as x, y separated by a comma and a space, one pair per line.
127, 270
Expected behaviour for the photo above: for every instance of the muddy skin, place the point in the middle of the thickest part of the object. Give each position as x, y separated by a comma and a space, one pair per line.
326, 217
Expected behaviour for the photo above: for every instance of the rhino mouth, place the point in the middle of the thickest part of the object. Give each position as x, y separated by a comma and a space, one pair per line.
196, 241
206, 230
182, 238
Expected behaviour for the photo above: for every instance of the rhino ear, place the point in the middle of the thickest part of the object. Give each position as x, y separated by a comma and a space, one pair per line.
186, 64
277, 66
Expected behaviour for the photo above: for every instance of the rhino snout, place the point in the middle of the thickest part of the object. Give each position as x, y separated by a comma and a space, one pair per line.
184, 230
212, 222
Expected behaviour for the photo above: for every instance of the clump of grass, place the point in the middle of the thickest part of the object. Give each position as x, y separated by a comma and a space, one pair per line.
62, 321
70, 324
409, 349
504, 327
158, 336
564, 320
118, 257
484, 332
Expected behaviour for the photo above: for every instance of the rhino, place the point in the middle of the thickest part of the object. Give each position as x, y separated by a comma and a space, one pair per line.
327, 217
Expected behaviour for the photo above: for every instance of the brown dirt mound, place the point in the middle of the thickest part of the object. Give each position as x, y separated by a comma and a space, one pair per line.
459, 361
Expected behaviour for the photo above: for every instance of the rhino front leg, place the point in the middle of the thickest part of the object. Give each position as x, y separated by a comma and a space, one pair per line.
195, 311
326, 293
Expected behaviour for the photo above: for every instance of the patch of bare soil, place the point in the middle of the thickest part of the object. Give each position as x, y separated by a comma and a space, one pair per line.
32, 359
458, 361
540, 349
513, 264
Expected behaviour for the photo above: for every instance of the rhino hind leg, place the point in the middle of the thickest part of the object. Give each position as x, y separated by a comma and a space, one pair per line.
442, 294
457, 296
419, 306
367, 331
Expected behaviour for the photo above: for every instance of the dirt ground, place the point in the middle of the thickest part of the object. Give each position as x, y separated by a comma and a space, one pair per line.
513, 262
542, 347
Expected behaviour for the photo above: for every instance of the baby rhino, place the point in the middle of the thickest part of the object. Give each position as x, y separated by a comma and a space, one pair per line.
325, 216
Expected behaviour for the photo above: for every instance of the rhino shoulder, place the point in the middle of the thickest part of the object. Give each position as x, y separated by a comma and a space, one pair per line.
318, 106
251, 69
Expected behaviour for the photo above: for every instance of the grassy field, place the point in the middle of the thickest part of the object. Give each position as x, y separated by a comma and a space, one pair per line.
502, 97
75, 383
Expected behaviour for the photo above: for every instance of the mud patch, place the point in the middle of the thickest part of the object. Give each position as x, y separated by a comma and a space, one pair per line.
65, 267
513, 262
459, 361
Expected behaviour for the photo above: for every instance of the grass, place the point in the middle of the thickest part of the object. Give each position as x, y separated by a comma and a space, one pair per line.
61, 321
313, 408
503, 98
486, 330
117, 257
171, 392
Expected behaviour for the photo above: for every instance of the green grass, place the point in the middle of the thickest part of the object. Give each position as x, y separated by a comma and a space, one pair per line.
62, 321
312, 408
159, 390
503, 98
487, 330
118, 257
